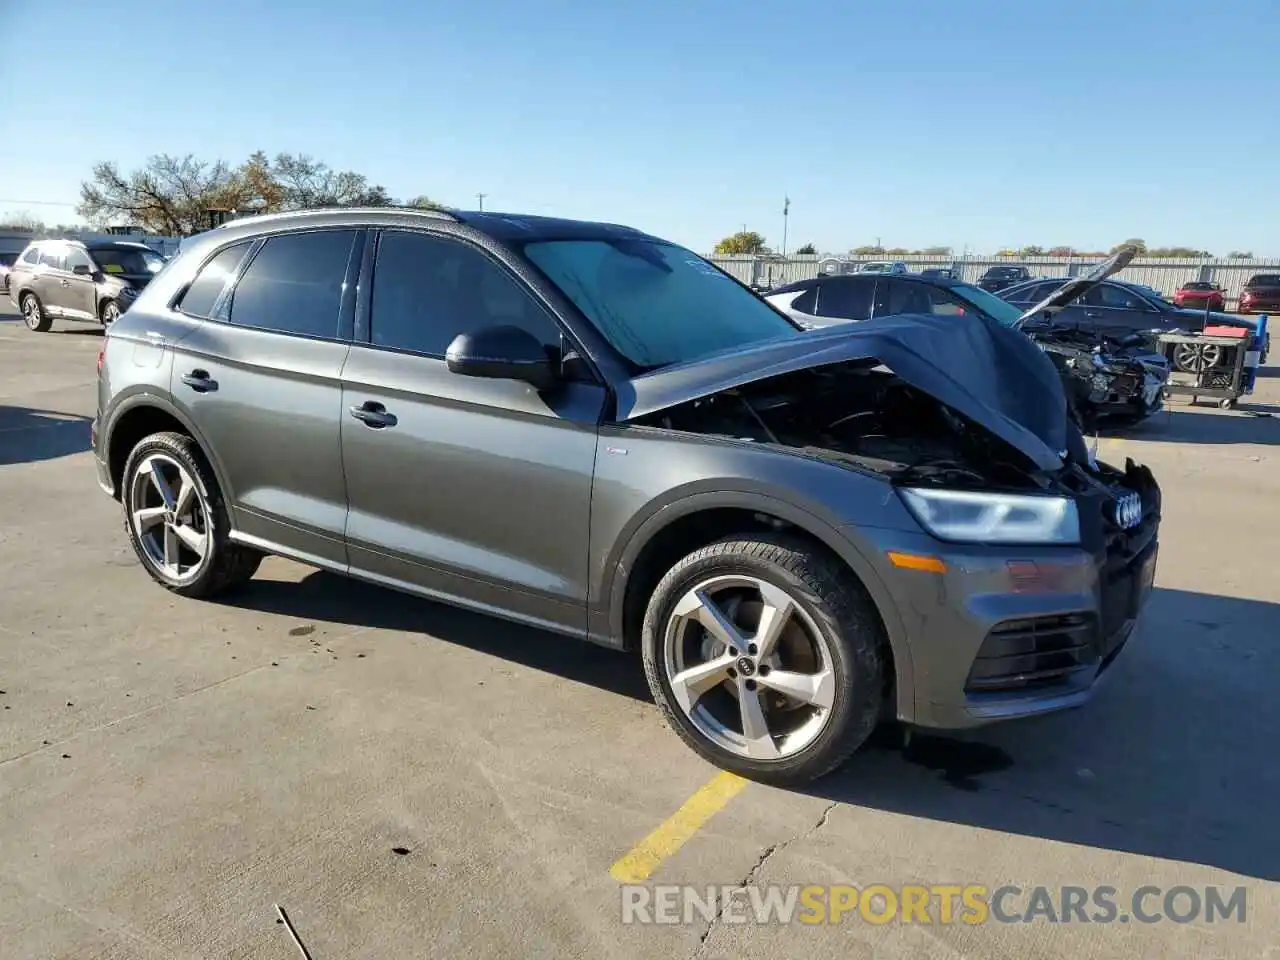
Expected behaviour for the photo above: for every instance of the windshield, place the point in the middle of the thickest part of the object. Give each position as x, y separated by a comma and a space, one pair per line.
1002, 311
1264, 280
132, 260
1197, 285
656, 303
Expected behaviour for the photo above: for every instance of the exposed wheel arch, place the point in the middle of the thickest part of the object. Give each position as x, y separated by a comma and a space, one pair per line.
145, 415
680, 528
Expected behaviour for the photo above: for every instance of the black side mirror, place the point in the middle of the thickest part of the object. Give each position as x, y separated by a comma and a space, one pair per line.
502, 353
82, 270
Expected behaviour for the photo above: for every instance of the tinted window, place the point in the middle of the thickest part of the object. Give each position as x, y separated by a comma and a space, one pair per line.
205, 288
656, 303
77, 258
427, 290
846, 298
806, 301
294, 284
1264, 280
1115, 297
31, 256
1035, 292
51, 257
132, 260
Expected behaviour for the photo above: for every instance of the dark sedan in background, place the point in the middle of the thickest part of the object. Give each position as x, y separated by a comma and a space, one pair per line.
998, 278
1105, 377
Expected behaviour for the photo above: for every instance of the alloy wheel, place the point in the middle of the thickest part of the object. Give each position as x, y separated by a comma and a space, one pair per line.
170, 518
31, 312
749, 667
110, 314
1196, 357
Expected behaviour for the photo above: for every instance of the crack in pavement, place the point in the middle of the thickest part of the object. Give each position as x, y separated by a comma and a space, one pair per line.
754, 872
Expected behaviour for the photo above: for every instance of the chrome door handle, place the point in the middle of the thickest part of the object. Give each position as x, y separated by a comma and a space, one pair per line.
373, 414
199, 381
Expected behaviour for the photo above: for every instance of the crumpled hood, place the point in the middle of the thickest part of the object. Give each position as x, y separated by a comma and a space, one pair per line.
993, 376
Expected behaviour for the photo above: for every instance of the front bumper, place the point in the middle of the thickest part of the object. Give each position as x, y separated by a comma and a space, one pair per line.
1011, 632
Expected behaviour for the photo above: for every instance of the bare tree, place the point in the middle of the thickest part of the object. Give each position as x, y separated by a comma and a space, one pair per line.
170, 195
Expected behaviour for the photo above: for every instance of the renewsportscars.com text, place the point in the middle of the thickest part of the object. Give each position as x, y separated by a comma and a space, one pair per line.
933, 904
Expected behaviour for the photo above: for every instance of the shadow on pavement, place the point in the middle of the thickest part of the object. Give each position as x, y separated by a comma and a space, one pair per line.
27, 435
1208, 426
327, 596
1174, 758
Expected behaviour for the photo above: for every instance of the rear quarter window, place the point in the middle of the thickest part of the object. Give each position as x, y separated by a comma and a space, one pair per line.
202, 294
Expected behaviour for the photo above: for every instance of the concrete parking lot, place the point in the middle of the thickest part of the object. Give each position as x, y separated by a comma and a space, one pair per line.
409, 781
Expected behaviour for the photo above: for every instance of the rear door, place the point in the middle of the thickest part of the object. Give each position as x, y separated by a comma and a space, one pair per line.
847, 299
260, 379
473, 490
50, 279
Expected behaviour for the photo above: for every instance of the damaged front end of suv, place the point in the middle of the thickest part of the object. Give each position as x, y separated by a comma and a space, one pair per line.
1018, 562
1105, 378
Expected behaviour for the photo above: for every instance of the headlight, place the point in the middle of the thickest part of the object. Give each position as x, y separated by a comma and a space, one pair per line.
973, 517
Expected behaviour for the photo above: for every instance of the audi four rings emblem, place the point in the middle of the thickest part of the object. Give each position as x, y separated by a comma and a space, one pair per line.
1128, 511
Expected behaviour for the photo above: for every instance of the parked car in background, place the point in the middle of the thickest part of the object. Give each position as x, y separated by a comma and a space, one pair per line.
938, 273
803, 533
1105, 377
6, 263
72, 280
883, 266
997, 278
1261, 293
1200, 295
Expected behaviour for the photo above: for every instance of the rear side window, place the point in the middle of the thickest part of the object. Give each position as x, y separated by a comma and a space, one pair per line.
203, 293
31, 256
807, 301
427, 290
294, 284
846, 298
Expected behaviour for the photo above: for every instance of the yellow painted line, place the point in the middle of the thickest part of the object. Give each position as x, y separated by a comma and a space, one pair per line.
647, 855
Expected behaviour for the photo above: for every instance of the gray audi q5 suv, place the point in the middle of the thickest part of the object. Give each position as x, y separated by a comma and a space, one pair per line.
588, 429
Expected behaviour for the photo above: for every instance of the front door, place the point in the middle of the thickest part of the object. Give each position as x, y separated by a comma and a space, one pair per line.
259, 377
473, 490
79, 300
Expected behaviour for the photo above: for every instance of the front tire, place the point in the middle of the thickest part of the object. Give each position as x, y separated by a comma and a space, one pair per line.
109, 313
177, 521
34, 315
765, 657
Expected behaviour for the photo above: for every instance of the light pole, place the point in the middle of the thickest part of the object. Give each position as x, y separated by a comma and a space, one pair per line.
480, 198
786, 209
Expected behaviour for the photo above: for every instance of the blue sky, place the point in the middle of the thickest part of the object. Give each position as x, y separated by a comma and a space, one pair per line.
975, 124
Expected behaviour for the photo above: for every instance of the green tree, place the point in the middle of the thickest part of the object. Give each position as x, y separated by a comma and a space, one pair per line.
424, 202
1136, 242
1240, 255
867, 251
1031, 251
808, 250
740, 243
1061, 251
897, 252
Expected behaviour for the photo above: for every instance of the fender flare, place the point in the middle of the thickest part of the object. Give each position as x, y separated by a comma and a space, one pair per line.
155, 401
660, 515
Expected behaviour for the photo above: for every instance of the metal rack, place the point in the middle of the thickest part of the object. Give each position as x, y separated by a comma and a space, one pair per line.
1213, 366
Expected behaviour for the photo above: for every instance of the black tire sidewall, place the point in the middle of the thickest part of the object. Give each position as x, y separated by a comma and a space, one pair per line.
183, 450
856, 705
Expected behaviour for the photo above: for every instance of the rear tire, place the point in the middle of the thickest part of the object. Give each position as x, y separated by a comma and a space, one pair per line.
109, 313
175, 512
805, 736
34, 315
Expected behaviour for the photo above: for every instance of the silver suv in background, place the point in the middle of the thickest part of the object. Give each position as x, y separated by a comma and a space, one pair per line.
591, 430
73, 280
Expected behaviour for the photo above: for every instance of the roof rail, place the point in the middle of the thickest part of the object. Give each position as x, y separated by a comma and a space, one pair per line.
435, 214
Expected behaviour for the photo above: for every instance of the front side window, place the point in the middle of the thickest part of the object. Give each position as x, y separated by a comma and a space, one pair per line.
656, 303
77, 258
204, 290
51, 257
427, 290
294, 285
1111, 296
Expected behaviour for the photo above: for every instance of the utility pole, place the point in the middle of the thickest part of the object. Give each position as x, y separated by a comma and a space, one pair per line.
480, 197
786, 209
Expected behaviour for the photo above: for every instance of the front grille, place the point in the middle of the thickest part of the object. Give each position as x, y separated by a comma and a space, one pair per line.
1026, 654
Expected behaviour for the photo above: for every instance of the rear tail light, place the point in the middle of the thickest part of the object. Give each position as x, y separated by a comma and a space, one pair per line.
101, 352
